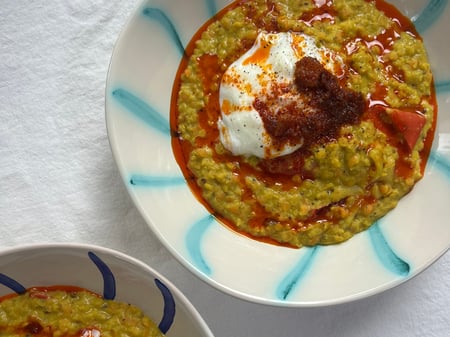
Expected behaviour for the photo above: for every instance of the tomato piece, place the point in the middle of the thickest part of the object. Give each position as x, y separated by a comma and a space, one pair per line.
409, 124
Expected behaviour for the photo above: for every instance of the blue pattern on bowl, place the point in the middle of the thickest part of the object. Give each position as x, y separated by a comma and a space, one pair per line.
109, 282
429, 15
385, 253
155, 181
440, 162
169, 307
12, 284
194, 238
293, 278
142, 110
442, 87
161, 17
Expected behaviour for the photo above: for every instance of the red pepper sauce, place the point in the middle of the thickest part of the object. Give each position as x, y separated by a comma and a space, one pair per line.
210, 70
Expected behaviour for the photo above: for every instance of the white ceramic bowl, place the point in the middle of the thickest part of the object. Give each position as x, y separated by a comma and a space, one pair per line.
138, 98
106, 272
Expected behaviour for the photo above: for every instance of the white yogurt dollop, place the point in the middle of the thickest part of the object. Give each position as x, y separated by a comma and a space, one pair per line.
265, 68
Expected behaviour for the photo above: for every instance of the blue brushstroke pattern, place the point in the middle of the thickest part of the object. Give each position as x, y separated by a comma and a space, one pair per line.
193, 243
158, 15
155, 181
429, 15
212, 8
12, 284
169, 307
439, 161
291, 281
386, 255
142, 110
109, 283
442, 87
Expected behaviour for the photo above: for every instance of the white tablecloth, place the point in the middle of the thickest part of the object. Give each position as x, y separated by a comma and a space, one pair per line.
59, 182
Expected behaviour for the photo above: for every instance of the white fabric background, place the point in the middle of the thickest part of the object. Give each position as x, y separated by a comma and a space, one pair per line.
59, 183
